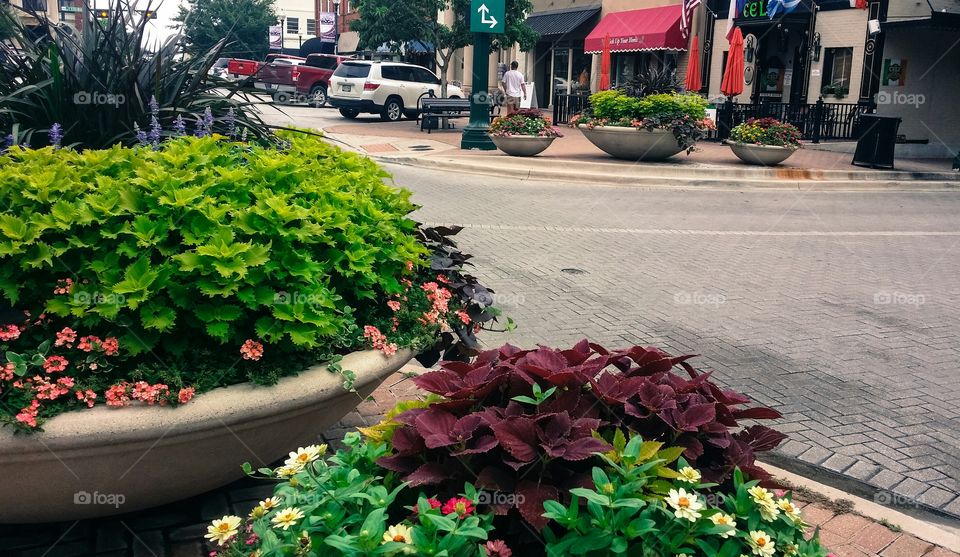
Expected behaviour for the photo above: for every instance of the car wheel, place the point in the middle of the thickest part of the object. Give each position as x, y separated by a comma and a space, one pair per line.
392, 110
318, 96
349, 113
281, 97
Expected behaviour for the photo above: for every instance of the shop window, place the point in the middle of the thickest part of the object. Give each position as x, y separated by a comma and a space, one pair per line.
312, 27
293, 25
837, 65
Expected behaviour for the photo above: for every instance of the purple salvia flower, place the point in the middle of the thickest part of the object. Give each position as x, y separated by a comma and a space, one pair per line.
198, 129
231, 120
56, 135
154, 106
154, 135
179, 127
243, 135
208, 121
7, 142
141, 135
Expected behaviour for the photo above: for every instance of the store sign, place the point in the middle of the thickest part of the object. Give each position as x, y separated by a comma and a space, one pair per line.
754, 9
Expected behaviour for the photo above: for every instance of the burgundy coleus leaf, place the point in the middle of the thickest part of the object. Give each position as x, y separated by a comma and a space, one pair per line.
760, 437
728, 397
407, 441
656, 398
518, 436
530, 498
479, 444
436, 427
440, 381
431, 473
648, 361
691, 417
401, 464
756, 413
616, 388
583, 448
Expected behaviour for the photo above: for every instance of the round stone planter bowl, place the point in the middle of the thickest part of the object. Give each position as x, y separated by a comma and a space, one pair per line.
521, 145
104, 461
633, 144
763, 155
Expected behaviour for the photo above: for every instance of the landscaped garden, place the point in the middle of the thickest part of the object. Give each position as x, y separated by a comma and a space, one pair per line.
183, 266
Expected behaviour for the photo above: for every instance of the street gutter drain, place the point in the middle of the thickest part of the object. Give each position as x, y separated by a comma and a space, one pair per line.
421, 148
573, 271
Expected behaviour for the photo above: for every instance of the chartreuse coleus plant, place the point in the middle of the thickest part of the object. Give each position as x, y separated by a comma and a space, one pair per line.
142, 274
345, 505
626, 512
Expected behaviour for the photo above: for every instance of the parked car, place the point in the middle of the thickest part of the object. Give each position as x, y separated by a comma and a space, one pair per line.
244, 69
277, 75
312, 77
390, 89
220, 68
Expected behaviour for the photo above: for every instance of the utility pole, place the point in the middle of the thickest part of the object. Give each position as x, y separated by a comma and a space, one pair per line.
486, 18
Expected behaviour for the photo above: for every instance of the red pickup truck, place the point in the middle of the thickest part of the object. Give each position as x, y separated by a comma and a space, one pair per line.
242, 68
312, 76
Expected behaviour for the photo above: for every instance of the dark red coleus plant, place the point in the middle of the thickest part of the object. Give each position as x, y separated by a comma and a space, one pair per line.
525, 452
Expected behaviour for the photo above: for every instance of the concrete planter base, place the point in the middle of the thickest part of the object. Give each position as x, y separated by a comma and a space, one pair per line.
522, 145
763, 155
633, 144
105, 461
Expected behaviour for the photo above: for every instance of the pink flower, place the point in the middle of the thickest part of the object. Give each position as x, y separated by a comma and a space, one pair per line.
409, 265
87, 396
89, 343
460, 505
66, 337
7, 371
497, 548
394, 305
63, 286
54, 364
464, 317
251, 350
28, 415
117, 395
379, 340
9, 332
151, 394
185, 395
110, 346
252, 539
443, 279
51, 391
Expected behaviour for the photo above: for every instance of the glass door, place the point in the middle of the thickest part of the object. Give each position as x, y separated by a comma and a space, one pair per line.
561, 71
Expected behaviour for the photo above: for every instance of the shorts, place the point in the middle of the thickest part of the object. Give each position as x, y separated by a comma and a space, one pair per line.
512, 104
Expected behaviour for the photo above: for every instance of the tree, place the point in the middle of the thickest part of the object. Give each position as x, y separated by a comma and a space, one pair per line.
396, 23
245, 22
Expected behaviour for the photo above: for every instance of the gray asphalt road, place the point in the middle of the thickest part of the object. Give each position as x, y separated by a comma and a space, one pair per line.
839, 309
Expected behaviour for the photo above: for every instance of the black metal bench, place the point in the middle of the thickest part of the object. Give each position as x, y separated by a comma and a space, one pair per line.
432, 109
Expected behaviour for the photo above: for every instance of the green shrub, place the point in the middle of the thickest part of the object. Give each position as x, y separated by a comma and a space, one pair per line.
205, 241
672, 106
613, 105
685, 114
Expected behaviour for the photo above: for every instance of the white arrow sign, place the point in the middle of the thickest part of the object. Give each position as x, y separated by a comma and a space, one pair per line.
485, 16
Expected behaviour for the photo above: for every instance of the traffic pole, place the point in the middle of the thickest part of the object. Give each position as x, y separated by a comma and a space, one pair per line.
476, 133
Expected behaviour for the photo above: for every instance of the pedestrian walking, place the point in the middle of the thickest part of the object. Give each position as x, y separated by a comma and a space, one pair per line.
514, 87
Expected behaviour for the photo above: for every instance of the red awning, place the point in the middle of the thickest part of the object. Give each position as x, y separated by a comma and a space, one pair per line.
638, 30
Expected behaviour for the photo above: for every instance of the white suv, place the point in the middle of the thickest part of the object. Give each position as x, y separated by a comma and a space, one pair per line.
390, 89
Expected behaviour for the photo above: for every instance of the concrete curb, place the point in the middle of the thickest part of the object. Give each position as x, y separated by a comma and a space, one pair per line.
703, 177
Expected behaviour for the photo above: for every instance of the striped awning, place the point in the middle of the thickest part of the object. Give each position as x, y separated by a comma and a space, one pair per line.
638, 30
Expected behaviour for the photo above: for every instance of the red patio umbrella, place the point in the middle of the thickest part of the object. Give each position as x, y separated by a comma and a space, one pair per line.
692, 82
605, 64
732, 84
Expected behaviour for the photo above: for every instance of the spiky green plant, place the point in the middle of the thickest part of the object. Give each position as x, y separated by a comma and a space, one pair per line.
97, 82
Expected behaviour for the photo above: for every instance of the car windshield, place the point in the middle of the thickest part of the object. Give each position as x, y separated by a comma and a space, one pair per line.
352, 70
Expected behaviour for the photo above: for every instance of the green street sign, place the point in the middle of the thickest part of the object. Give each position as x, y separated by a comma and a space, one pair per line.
487, 16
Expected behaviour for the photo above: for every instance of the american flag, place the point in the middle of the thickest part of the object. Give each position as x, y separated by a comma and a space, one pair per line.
686, 18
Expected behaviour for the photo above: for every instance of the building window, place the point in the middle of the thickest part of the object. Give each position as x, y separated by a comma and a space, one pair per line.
312, 27
35, 5
293, 25
837, 65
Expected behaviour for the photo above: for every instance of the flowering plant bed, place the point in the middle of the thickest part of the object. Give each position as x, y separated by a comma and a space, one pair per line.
527, 122
766, 131
637, 496
150, 274
682, 114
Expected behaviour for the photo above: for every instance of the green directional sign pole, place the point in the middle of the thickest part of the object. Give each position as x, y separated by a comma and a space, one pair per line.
486, 18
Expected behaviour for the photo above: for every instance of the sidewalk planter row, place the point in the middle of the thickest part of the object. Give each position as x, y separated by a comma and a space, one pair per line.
763, 155
524, 133
105, 461
522, 145
764, 141
633, 144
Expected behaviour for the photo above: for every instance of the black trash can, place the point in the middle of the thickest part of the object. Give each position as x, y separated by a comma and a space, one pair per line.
878, 139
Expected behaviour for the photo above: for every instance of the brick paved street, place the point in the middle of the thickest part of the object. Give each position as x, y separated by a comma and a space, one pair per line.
839, 309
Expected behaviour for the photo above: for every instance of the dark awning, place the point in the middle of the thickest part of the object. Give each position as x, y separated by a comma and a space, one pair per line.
944, 14
560, 22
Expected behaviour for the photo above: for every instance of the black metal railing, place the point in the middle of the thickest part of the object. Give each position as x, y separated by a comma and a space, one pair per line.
567, 106
816, 121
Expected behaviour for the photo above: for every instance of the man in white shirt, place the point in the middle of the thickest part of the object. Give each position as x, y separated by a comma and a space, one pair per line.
513, 88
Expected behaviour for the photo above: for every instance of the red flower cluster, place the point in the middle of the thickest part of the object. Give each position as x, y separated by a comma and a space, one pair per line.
460, 505
9, 332
63, 286
379, 340
251, 350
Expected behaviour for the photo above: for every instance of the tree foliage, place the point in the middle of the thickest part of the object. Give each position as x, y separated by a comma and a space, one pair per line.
395, 23
243, 22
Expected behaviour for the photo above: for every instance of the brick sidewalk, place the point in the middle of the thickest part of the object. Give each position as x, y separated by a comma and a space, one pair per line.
177, 530
575, 147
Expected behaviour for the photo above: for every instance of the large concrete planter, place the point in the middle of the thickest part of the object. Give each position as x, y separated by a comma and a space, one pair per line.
522, 145
633, 144
107, 461
764, 155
